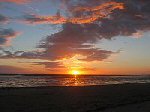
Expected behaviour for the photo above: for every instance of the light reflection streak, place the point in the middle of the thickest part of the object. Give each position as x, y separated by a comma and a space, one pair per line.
72, 81
77, 80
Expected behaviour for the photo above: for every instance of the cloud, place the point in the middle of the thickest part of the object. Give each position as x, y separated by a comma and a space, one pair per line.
20, 54
6, 35
65, 49
88, 22
13, 70
86, 14
54, 53
3, 19
51, 65
17, 1
77, 38
80, 15
121, 17
37, 19
138, 34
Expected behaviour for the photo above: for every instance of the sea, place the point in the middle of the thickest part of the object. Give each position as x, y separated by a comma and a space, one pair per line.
68, 80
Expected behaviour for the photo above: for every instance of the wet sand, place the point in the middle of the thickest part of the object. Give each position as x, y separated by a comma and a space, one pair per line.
110, 98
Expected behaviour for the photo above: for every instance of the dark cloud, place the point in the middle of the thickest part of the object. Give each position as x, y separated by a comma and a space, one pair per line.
3, 19
51, 65
6, 35
135, 16
78, 38
65, 49
112, 17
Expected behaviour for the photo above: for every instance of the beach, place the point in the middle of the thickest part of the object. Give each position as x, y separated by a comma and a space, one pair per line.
103, 98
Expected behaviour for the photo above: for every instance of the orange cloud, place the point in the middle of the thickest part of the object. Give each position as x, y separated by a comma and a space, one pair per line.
95, 13
87, 15
37, 19
100, 7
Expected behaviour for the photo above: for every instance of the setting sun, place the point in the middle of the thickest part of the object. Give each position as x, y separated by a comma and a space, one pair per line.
75, 72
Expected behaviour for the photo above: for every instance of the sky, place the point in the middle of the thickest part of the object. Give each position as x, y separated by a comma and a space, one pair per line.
63, 36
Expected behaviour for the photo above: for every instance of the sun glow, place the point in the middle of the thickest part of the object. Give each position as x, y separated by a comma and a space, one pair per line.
75, 72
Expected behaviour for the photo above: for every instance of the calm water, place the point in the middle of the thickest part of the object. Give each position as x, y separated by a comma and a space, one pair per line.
35, 81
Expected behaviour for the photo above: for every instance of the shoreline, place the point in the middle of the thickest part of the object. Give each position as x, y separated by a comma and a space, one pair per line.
104, 98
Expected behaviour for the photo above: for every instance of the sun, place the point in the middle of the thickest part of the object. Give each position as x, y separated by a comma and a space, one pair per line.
75, 72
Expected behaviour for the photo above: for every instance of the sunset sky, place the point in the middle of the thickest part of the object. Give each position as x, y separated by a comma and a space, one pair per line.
61, 36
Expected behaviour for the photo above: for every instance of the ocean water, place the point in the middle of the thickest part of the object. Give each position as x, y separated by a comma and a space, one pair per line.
67, 80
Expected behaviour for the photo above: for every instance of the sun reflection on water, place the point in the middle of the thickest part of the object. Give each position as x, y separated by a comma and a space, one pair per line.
69, 80
76, 81
72, 81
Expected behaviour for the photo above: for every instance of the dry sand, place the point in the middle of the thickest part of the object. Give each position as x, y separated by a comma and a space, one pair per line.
110, 98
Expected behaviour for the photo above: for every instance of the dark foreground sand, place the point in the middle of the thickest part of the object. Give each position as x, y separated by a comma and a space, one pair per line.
112, 98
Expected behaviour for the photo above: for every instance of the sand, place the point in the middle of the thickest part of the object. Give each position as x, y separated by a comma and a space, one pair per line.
110, 98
